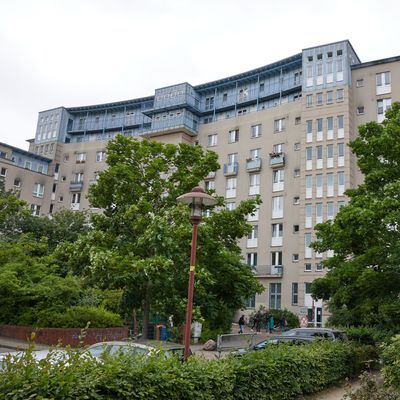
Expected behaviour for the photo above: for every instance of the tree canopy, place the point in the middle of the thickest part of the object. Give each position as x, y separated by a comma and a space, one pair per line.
141, 242
362, 285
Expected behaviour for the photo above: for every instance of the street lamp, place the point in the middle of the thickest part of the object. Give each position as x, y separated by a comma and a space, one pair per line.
196, 199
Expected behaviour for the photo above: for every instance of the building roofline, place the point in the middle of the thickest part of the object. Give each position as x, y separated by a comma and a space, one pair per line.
251, 73
376, 62
340, 41
25, 152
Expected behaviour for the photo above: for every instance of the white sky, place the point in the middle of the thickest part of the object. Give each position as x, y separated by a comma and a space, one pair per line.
80, 52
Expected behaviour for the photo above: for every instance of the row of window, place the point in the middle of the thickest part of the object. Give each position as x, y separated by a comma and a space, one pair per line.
80, 157
44, 149
383, 82
318, 126
329, 183
319, 212
319, 156
320, 74
319, 98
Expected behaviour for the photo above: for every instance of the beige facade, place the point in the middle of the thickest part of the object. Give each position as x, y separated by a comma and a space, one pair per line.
288, 147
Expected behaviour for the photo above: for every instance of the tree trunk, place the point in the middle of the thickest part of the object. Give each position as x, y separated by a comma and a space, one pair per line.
146, 311
134, 322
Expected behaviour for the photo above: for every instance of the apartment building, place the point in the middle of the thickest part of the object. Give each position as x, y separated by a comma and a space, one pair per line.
281, 131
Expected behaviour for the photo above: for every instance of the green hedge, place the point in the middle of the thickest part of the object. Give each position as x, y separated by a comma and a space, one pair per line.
369, 335
391, 359
279, 372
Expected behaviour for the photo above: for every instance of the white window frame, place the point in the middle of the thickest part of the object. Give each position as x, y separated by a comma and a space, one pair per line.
38, 190
278, 180
277, 207
212, 140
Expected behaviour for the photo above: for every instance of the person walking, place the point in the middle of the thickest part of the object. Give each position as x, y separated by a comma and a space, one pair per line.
257, 322
241, 323
271, 323
283, 323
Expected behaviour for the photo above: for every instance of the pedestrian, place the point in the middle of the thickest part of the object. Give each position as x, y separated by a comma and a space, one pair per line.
271, 323
241, 323
257, 322
282, 323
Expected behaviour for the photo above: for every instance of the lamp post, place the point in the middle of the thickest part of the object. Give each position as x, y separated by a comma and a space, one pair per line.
196, 199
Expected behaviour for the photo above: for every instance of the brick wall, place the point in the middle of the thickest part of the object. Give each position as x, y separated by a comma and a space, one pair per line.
65, 336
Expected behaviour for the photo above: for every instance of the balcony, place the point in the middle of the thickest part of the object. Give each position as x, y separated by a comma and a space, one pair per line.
231, 169
268, 271
76, 186
277, 160
253, 165
211, 175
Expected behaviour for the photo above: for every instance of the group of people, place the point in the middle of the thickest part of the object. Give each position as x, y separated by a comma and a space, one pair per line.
257, 321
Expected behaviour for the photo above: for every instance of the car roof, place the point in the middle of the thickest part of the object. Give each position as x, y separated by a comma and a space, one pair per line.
145, 344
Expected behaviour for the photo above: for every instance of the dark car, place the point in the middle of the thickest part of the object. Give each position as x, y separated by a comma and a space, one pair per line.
321, 333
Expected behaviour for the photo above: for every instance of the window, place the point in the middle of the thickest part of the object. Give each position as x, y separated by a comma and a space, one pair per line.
320, 80
319, 99
295, 257
296, 228
254, 184
340, 183
255, 154
66, 157
319, 157
339, 52
275, 296
329, 97
243, 94
28, 165
296, 172
297, 77
360, 82
309, 100
295, 293
308, 158
341, 204
307, 267
329, 124
209, 103
340, 126
251, 259
3, 172
329, 179
38, 190
230, 206
278, 148
17, 182
296, 200
232, 158
329, 54
383, 83
297, 121
329, 72
383, 105
360, 110
340, 95
254, 232
309, 131
340, 149
296, 146
329, 210
233, 136
307, 287
76, 198
277, 207
329, 156
318, 267
279, 125
251, 302
51, 147
308, 186
225, 97
80, 157
212, 140
308, 211
100, 156
339, 70
40, 168
318, 213
256, 131
307, 242
320, 133
277, 234
278, 178
78, 177
35, 210
309, 73
210, 185
261, 87
230, 188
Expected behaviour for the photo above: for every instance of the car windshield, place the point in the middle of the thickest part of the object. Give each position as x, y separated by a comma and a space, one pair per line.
97, 351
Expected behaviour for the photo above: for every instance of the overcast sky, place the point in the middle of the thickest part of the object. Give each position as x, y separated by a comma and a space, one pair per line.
80, 52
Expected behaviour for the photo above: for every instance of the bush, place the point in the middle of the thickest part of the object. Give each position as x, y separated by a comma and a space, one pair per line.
391, 359
277, 373
368, 335
78, 317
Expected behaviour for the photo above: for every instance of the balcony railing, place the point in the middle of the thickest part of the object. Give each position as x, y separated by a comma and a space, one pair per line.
277, 160
253, 165
268, 271
231, 169
76, 186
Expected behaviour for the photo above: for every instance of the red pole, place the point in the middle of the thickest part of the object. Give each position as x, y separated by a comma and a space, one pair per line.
190, 289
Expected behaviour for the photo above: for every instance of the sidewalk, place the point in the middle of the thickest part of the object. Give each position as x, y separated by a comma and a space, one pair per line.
16, 344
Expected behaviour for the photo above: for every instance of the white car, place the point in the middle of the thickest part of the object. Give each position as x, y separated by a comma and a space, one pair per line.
38, 355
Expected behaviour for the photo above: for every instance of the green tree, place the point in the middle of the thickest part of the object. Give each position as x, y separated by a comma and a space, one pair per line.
363, 279
141, 242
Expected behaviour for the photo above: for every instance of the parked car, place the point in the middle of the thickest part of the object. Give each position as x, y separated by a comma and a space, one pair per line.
136, 347
322, 333
293, 340
37, 355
